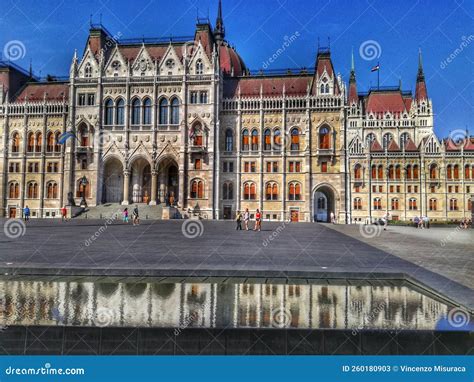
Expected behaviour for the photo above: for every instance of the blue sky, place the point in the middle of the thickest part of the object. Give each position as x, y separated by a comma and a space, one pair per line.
51, 30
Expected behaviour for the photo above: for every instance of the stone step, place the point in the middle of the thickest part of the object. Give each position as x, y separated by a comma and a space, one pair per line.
115, 211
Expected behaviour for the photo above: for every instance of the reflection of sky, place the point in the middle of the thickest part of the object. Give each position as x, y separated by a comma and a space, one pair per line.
220, 305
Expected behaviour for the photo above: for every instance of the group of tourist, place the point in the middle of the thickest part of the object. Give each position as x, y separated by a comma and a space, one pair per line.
421, 222
245, 217
465, 223
135, 216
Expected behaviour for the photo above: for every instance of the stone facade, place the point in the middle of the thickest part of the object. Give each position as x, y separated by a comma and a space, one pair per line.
184, 122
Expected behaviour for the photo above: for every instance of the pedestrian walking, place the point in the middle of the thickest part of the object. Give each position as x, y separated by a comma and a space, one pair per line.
136, 217
125, 215
26, 213
333, 218
258, 221
246, 219
238, 220
385, 219
64, 214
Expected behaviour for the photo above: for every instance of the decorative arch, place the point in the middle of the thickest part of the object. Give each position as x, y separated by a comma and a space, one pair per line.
326, 199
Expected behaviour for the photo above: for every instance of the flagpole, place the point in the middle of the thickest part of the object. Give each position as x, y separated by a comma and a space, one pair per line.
378, 76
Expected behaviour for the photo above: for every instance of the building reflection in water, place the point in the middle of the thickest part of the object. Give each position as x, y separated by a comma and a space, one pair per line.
223, 305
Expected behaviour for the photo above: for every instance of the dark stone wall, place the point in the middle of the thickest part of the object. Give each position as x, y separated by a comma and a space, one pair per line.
141, 341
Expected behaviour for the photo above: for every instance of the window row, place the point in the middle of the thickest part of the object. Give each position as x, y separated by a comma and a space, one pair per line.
51, 190
272, 191
141, 112
34, 142
33, 167
412, 204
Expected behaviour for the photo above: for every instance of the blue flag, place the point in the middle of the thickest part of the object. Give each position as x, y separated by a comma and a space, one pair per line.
62, 139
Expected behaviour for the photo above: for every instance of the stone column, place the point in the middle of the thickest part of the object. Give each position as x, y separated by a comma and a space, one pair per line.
126, 188
154, 184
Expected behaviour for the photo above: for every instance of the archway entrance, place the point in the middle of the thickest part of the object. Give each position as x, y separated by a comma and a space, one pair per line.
113, 182
323, 204
140, 181
168, 182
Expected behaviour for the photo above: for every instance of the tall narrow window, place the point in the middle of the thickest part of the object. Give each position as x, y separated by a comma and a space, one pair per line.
16, 142
31, 143
39, 142
229, 140
415, 171
295, 140
88, 71
324, 138
357, 172
254, 140
147, 111
119, 112
245, 140
199, 67
109, 112
136, 111
174, 112
267, 139
294, 191
277, 139
164, 111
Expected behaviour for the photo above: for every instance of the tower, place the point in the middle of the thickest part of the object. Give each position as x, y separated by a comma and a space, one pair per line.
219, 30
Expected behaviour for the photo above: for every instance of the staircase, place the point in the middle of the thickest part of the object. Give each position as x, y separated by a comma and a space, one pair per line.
115, 210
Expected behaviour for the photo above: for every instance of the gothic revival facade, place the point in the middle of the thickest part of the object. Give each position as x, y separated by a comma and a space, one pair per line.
184, 122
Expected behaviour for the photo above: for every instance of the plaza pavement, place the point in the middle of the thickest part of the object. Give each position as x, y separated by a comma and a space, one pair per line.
439, 258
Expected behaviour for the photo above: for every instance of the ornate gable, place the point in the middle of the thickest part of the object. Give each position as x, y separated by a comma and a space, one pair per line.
170, 64
89, 66
117, 65
143, 64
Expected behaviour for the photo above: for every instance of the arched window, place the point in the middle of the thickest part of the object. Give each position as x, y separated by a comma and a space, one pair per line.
416, 172
387, 138
147, 111
31, 142
254, 140
174, 112
119, 112
433, 205
412, 206
199, 67
453, 204
88, 71
391, 172
109, 112
380, 172
467, 172
271, 191
228, 191
395, 204
83, 189
295, 140
398, 172
322, 89
374, 172
267, 137
377, 204
14, 190
32, 190
135, 112
250, 191
83, 136
357, 171
16, 143
277, 139
229, 140
369, 139
164, 111
449, 172
456, 172
403, 139
294, 191
327, 88
324, 138
409, 172
433, 171
197, 189
245, 140
57, 145
51, 190
357, 203
39, 142
50, 142
197, 135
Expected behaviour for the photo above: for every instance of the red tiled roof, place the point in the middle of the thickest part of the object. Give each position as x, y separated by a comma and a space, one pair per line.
469, 146
37, 91
250, 87
392, 146
230, 61
421, 92
376, 146
451, 146
353, 97
380, 102
410, 145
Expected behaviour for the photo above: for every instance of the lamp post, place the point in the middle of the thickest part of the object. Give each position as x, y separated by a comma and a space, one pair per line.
84, 183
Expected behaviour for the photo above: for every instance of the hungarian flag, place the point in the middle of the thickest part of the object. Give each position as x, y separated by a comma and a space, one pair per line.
375, 68
63, 138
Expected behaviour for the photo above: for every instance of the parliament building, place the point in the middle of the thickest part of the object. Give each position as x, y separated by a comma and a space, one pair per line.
183, 121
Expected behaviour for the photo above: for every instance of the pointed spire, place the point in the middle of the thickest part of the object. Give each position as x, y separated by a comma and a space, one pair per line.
31, 69
219, 30
421, 75
420, 93
353, 96
352, 76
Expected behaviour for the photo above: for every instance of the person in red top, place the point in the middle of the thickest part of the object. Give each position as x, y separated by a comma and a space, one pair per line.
64, 214
258, 221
